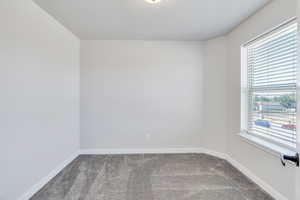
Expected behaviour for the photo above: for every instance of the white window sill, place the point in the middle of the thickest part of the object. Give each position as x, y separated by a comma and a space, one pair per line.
265, 145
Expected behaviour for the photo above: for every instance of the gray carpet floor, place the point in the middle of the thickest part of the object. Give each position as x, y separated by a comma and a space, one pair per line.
150, 177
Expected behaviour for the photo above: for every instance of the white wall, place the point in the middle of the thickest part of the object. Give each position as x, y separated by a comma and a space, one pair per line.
262, 164
131, 89
215, 95
39, 77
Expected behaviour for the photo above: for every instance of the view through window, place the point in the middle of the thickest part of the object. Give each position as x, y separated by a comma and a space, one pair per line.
270, 85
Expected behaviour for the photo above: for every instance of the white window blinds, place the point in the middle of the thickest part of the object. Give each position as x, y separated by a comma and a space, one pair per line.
270, 85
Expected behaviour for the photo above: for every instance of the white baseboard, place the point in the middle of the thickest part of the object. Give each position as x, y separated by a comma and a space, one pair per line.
235, 163
270, 190
138, 151
35, 188
151, 151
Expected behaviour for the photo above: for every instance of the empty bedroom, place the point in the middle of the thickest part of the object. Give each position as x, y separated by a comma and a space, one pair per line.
149, 100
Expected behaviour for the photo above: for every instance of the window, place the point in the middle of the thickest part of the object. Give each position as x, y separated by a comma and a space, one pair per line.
269, 79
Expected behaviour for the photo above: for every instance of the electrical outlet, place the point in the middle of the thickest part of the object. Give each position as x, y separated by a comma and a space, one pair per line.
148, 136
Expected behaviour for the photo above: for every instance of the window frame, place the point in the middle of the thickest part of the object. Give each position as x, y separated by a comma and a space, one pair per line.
244, 94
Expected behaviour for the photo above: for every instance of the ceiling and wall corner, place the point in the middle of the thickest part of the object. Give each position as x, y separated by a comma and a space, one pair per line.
139, 20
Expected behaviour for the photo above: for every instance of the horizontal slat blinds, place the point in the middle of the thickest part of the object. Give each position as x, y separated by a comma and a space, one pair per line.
271, 85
